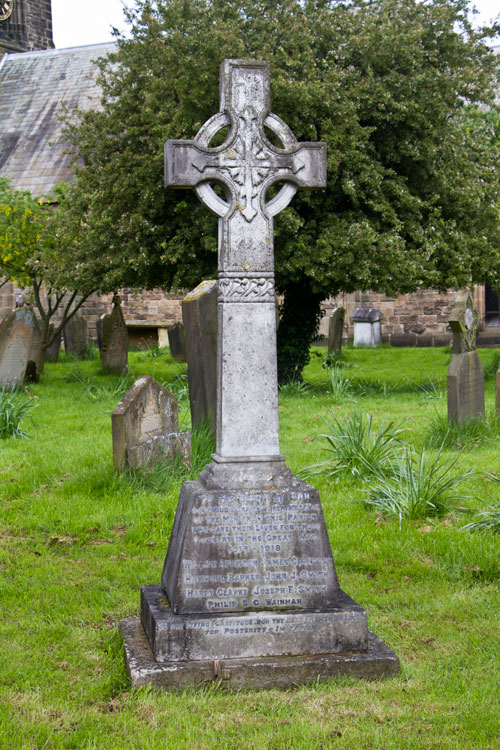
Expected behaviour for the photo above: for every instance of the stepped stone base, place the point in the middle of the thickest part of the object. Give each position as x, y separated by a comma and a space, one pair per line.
264, 672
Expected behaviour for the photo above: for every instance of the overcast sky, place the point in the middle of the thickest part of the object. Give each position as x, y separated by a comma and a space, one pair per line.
78, 22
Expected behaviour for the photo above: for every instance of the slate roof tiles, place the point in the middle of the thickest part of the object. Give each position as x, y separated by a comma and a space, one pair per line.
33, 88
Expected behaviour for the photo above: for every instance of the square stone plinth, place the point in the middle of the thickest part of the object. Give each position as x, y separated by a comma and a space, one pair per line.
250, 634
279, 672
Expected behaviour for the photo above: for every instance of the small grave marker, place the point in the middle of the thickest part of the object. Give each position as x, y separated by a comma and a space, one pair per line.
466, 374
114, 343
145, 427
336, 330
367, 330
199, 315
75, 335
16, 338
176, 342
52, 352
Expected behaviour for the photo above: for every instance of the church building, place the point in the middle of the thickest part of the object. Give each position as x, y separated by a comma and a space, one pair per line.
36, 80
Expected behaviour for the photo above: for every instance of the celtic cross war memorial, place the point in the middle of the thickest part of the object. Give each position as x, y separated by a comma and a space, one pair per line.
249, 591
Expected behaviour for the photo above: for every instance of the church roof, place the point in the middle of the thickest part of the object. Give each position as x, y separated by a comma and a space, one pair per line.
33, 88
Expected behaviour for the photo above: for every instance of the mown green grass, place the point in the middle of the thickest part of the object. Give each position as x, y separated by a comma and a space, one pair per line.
77, 542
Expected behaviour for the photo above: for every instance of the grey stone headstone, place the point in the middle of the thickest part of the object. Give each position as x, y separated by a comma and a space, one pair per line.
16, 337
145, 427
249, 573
114, 345
100, 326
465, 379
199, 315
176, 342
367, 330
75, 334
335, 330
52, 352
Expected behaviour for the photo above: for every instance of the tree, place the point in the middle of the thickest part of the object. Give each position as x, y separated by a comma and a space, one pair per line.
40, 249
412, 194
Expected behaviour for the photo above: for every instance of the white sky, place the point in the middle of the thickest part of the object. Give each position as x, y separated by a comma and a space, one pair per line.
78, 22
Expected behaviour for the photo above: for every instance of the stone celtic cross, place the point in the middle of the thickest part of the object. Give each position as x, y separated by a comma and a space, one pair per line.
246, 165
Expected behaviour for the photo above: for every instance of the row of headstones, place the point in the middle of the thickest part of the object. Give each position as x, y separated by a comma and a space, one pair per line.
21, 356
196, 342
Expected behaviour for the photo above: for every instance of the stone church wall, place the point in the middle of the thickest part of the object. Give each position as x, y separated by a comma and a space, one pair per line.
30, 25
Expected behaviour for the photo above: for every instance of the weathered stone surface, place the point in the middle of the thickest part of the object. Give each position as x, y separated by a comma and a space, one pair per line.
465, 375
268, 632
249, 574
280, 672
199, 315
75, 334
100, 326
114, 344
366, 322
16, 337
238, 550
52, 351
145, 427
336, 330
176, 342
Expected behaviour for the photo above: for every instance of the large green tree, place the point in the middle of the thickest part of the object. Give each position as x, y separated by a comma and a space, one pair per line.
412, 198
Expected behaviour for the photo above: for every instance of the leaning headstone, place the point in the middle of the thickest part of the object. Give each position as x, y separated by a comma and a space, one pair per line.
465, 375
52, 351
249, 589
145, 427
335, 330
176, 342
367, 330
199, 315
75, 334
16, 337
114, 345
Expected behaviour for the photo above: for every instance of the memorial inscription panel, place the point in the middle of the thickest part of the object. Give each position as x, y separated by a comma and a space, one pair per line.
244, 549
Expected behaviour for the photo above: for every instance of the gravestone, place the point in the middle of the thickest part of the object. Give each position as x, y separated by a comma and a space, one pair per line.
75, 335
16, 337
52, 351
145, 427
100, 325
36, 357
367, 330
199, 315
114, 343
249, 590
465, 380
335, 330
176, 342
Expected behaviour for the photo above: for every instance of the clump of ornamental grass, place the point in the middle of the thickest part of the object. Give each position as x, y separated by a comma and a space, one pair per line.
178, 387
421, 487
469, 433
430, 390
339, 384
15, 407
487, 519
295, 388
357, 449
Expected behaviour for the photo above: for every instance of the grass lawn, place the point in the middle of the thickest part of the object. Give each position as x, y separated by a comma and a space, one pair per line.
77, 542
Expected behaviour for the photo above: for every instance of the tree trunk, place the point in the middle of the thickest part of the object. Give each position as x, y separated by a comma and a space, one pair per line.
300, 314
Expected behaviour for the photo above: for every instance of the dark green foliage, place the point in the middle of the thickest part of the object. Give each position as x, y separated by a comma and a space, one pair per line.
300, 313
412, 190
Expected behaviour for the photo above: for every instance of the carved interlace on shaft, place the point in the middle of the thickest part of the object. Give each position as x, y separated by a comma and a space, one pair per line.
246, 290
